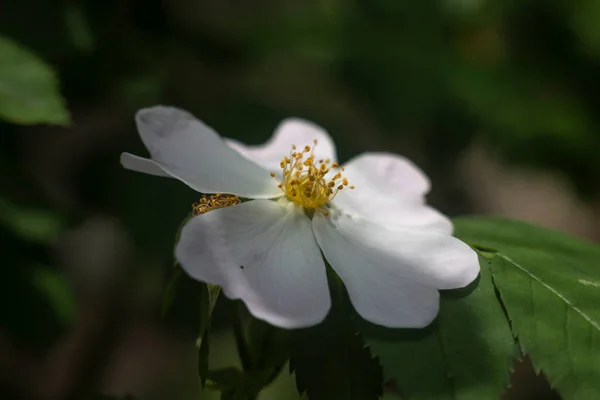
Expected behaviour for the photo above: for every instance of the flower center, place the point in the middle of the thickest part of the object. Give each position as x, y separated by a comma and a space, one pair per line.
208, 203
309, 183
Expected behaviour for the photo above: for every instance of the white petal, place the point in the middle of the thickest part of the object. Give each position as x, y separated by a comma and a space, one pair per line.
392, 275
265, 254
192, 152
393, 212
290, 131
389, 189
391, 173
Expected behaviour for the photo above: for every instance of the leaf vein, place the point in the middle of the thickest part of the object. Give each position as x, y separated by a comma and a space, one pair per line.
557, 294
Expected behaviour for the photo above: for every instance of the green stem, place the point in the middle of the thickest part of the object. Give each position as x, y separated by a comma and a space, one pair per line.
240, 341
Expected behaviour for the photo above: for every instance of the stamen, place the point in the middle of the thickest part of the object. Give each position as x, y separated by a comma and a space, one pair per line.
304, 179
212, 202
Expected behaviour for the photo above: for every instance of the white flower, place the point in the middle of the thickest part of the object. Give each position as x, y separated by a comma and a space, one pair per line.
392, 251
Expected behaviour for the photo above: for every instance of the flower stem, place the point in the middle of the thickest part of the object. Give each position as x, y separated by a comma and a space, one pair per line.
240, 341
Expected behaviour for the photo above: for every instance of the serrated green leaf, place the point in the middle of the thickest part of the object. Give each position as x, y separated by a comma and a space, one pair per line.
29, 91
549, 283
467, 353
555, 317
501, 234
330, 360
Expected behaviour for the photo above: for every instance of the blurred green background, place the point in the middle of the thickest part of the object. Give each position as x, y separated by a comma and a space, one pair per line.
496, 100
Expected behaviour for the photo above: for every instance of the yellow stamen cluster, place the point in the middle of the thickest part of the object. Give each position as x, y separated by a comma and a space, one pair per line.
213, 202
308, 182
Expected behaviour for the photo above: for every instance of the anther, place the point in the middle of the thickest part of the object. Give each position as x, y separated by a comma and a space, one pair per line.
218, 200
304, 179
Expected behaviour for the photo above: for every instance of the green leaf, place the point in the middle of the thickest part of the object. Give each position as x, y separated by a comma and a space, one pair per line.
203, 352
235, 384
330, 360
497, 234
180, 290
78, 27
32, 313
180, 227
210, 295
29, 92
467, 353
31, 224
584, 23
549, 283
268, 346
57, 292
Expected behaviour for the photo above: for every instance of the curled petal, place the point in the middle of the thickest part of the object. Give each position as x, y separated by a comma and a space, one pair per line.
185, 148
143, 165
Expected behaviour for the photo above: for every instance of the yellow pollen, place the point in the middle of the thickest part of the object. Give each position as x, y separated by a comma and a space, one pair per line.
208, 203
308, 182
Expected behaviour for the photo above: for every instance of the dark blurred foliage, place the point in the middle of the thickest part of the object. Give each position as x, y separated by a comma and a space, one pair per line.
422, 78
